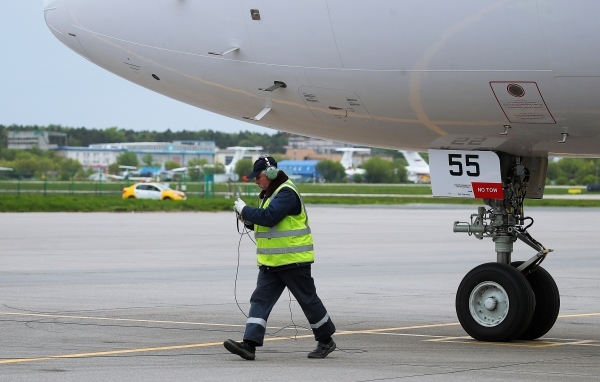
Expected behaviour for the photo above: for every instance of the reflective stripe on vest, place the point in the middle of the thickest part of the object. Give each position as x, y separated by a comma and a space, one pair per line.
283, 251
273, 233
289, 242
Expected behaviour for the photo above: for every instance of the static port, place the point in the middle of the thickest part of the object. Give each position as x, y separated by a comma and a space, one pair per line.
516, 90
156, 77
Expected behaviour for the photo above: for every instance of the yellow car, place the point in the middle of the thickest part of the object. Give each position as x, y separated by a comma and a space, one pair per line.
156, 191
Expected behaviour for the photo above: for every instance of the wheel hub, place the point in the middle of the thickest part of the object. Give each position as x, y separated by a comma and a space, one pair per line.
491, 303
488, 304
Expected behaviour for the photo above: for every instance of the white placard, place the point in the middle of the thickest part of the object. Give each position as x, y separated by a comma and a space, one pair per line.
522, 102
465, 174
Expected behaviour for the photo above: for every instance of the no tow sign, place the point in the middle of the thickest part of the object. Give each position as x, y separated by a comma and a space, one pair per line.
465, 174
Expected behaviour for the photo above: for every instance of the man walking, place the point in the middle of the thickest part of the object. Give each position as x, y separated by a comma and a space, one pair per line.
284, 249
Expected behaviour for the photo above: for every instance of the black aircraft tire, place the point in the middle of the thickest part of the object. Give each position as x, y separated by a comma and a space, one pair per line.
547, 299
489, 284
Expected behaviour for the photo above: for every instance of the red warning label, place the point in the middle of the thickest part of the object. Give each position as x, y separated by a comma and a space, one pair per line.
488, 190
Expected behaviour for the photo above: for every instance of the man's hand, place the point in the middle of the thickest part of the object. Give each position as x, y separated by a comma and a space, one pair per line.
238, 206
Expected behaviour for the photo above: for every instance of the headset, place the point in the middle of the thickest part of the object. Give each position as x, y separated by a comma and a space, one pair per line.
271, 170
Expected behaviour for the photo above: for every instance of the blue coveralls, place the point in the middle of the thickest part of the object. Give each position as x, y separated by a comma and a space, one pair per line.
273, 280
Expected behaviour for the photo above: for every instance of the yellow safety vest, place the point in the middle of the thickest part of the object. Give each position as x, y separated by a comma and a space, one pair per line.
289, 242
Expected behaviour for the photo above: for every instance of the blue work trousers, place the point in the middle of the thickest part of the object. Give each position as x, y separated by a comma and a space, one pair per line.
269, 287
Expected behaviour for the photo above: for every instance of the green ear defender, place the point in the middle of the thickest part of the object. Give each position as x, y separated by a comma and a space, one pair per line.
271, 171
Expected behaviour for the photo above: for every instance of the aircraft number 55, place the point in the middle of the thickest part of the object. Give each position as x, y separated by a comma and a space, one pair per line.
470, 163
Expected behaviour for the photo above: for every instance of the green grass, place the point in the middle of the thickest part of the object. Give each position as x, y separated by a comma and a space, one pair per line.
67, 203
114, 203
245, 188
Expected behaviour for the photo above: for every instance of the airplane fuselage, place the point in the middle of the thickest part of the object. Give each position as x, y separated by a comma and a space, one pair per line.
387, 73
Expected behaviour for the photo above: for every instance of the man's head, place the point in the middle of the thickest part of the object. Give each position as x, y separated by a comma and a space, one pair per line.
265, 170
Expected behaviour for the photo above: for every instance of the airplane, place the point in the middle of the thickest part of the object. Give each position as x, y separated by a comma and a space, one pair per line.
164, 175
417, 169
346, 161
126, 174
239, 154
489, 89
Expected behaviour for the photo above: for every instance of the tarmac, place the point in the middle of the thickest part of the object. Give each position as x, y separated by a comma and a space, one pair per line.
152, 297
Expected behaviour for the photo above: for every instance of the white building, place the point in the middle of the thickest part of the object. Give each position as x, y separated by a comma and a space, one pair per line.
100, 156
45, 140
96, 158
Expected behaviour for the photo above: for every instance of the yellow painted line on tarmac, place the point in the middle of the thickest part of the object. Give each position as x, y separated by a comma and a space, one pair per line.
449, 339
572, 343
131, 351
579, 315
110, 352
439, 339
470, 341
191, 346
368, 331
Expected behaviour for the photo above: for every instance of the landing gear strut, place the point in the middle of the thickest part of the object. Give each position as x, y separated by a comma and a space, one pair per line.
507, 300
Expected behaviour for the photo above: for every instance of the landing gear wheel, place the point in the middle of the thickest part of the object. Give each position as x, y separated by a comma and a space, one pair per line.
547, 303
495, 303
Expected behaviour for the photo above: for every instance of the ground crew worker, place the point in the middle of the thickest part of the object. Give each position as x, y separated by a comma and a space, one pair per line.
284, 249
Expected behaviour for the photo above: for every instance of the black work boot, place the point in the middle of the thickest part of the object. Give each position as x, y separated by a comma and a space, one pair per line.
322, 349
242, 349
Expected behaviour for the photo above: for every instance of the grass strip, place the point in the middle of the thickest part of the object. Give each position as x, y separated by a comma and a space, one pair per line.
67, 203
245, 188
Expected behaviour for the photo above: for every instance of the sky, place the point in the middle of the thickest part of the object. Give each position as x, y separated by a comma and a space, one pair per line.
43, 82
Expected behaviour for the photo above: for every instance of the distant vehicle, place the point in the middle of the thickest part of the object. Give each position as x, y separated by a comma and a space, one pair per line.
156, 191
593, 188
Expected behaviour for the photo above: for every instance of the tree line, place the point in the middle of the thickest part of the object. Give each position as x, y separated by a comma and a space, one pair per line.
37, 163
82, 136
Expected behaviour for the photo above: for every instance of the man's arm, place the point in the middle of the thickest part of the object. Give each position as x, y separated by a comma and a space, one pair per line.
285, 203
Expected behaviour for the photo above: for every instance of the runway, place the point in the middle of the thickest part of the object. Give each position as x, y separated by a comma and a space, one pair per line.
150, 297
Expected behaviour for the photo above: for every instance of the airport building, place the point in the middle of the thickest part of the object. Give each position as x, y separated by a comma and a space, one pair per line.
45, 140
300, 170
307, 148
100, 156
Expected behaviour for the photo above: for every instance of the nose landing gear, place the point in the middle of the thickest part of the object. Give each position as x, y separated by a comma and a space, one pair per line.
507, 300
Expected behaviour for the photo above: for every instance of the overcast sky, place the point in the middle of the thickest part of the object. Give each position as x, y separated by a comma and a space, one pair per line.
43, 82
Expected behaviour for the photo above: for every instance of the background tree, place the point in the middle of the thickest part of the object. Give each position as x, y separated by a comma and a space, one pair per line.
113, 168
572, 171
399, 170
331, 171
218, 168
69, 168
3, 137
196, 169
81, 136
243, 167
147, 159
379, 171
115, 135
127, 159
169, 165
